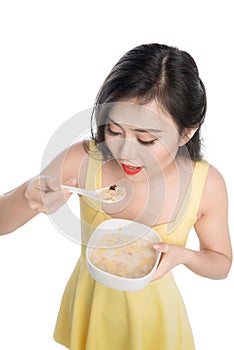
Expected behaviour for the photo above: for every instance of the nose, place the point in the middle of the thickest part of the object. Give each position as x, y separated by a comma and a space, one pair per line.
128, 150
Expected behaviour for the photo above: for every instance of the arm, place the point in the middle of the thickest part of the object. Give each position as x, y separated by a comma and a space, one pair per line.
42, 193
14, 209
215, 256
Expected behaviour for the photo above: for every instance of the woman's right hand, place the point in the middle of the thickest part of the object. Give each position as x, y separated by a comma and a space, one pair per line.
45, 195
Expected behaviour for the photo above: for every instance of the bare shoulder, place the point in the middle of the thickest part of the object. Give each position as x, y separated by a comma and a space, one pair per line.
76, 162
215, 180
70, 163
77, 152
215, 192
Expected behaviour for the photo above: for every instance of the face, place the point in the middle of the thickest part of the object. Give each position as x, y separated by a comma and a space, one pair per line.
142, 140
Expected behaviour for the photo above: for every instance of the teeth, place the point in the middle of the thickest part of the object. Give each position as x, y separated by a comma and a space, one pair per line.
133, 167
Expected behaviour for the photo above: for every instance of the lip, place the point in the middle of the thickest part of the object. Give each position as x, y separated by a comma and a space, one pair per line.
130, 169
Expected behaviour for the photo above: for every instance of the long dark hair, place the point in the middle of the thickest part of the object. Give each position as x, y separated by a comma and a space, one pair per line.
156, 72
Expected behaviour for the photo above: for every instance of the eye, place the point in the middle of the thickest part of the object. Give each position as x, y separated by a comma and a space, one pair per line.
147, 143
112, 132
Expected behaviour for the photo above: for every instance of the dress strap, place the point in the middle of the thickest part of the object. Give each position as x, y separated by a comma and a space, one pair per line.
198, 185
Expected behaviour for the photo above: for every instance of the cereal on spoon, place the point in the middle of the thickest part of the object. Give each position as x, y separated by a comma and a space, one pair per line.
112, 193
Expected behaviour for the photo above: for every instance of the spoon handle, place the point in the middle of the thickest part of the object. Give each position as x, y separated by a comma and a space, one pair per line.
77, 190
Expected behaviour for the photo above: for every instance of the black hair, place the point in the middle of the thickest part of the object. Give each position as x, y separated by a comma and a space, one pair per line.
156, 72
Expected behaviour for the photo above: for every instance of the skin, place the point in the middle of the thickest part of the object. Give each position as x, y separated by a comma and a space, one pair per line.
161, 171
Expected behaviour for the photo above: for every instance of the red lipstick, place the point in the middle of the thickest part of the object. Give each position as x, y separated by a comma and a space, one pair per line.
131, 170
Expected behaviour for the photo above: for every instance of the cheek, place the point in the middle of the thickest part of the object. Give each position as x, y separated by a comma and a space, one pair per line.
114, 145
163, 153
170, 144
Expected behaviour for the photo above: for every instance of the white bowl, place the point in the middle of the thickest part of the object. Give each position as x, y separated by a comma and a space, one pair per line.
125, 227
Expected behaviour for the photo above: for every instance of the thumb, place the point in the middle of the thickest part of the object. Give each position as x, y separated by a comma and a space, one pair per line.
71, 182
161, 247
52, 183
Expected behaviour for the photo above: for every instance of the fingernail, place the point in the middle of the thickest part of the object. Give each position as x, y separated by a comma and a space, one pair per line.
156, 246
72, 181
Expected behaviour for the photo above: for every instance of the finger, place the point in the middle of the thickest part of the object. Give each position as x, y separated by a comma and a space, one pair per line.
34, 205
54, 199
158, 274
33, 195
41, 182
50, 198
71, 182
48, 183
53, 184
161, 247
54, 206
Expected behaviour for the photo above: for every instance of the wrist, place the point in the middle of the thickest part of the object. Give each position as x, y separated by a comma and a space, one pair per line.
188, 255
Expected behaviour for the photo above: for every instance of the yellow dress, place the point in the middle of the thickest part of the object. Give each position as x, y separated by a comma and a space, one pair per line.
95, 317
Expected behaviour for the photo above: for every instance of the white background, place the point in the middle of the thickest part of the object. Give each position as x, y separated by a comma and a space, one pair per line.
54, 56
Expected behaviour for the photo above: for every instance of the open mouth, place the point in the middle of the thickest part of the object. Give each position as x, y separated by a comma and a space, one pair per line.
131, 170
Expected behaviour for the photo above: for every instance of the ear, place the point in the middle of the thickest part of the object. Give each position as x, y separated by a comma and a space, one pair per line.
187, 135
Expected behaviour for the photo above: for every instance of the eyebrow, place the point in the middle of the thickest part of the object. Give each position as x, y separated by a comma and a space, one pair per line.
137, 130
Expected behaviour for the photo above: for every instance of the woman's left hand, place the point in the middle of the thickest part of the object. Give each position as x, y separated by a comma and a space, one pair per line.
172, 255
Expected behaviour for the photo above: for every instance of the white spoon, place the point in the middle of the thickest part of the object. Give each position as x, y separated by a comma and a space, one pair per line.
112, 194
